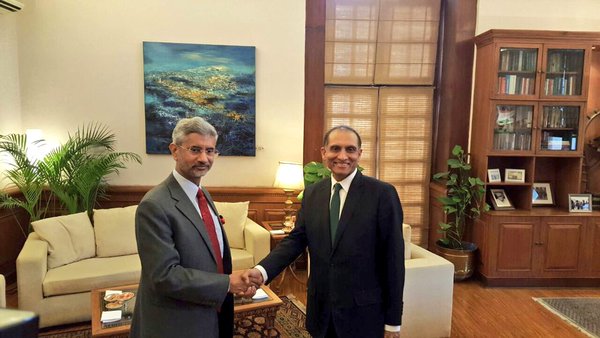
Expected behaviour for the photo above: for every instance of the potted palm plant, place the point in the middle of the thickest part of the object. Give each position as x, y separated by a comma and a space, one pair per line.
464, 202
74, 174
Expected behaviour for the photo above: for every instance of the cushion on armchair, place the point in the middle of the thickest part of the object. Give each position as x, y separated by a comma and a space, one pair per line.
70, 238
235, 215
115, 231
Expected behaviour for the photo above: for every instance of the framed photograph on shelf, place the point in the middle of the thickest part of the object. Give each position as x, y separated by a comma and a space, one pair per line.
514, 175
541, 194
494, 175
580, 202
500, 200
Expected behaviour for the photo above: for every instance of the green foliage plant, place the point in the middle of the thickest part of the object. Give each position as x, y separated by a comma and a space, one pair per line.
464, 198
315, 172
74, 173
22, 173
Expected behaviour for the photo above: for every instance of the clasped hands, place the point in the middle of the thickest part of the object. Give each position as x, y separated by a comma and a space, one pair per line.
244, 283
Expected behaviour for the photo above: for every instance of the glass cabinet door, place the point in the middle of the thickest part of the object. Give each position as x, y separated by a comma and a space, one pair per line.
564, 72
517, 71
559, 127
513, 127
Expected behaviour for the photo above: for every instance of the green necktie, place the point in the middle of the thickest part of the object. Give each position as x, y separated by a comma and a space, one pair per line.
334, 210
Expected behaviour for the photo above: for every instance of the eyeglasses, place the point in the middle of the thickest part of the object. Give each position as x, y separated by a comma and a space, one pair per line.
196, 151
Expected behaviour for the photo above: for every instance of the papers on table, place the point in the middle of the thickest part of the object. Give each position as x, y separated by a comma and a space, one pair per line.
111, 316
277, 232
260, 294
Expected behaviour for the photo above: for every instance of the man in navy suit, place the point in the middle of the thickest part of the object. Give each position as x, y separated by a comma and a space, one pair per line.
187, 281
352, 226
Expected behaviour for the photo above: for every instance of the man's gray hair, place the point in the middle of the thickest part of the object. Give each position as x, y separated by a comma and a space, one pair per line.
190, 125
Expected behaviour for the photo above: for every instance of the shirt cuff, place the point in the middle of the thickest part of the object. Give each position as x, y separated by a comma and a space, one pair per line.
263, 272
391, 328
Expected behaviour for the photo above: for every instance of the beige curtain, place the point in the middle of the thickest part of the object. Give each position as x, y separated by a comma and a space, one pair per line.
379, 72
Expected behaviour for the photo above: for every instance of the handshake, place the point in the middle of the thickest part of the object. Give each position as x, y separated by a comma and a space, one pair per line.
244, 283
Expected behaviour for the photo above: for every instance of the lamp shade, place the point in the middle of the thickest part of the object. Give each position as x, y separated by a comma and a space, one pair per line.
290, 176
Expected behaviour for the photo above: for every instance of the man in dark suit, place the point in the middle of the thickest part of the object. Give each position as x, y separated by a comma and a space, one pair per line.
186, 283
354, 238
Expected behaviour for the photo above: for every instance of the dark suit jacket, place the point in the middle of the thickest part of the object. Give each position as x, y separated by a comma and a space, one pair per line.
180, 290
360, 280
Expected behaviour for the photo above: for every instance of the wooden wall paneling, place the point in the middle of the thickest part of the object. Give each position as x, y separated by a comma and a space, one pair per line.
12, 239
452, 95
454, 78
314, 80
266, 204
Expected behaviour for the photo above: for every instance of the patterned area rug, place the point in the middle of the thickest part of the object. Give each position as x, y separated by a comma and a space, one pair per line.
288, 324
582, 312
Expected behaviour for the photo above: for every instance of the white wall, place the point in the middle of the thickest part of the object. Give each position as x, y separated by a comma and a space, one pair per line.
81, 61
10, 104
575, 15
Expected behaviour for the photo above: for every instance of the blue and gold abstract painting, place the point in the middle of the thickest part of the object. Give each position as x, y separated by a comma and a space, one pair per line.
217, 83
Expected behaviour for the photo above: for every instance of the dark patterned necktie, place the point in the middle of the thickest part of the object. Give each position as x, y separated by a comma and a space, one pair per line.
210, 228
334, 210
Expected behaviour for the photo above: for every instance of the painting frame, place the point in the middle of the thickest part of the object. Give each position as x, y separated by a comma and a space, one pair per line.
580, 202
541, 194
500, 200
494, 176
214, 82
514, 175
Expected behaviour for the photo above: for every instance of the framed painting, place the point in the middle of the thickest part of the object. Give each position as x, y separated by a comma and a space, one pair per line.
217, 83
580, 202
500, 200
541, 194
494, 176
514, 175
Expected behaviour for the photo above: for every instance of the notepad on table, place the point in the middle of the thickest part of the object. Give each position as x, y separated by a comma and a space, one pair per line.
111, 316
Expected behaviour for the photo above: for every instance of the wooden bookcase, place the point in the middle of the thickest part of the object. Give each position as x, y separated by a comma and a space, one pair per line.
533, 92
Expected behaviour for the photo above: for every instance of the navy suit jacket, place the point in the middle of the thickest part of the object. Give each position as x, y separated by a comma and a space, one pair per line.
358, 281
180, 291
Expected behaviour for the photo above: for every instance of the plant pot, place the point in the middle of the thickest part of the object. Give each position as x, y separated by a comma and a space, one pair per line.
463, 259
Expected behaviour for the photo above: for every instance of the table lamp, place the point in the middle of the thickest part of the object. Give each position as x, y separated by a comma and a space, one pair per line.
289, 177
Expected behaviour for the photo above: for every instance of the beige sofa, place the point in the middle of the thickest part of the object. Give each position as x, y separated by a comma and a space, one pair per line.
66, 257
428, 289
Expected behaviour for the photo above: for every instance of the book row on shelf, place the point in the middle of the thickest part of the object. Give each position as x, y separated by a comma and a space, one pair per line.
560, 117
564, 85
515, 84
512, 141
564, 61
518, 60
552, 141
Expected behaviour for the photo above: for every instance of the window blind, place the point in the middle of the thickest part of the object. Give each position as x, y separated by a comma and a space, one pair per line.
379, 73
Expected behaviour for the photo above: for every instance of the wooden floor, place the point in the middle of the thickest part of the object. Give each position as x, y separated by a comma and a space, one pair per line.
480, 311
477, 311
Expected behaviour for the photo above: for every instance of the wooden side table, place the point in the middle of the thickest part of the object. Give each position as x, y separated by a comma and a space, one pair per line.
275, 239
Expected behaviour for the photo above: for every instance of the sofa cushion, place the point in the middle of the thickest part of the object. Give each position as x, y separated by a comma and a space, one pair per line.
241, 259
70, 238
235, 215
115, 231
92, 273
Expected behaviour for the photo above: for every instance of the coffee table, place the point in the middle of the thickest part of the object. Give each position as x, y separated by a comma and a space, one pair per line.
266, 308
